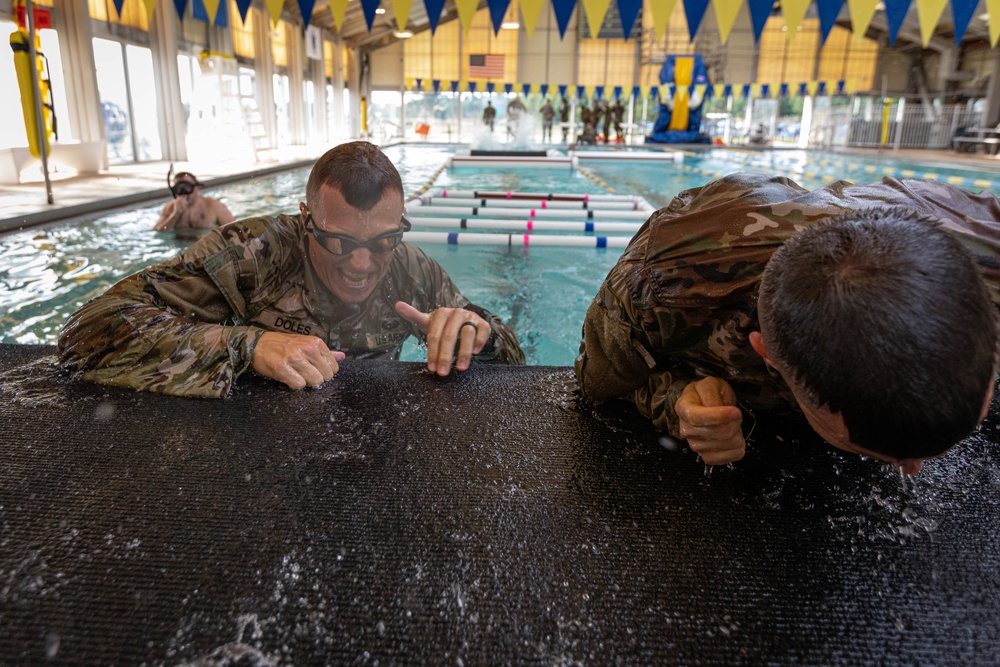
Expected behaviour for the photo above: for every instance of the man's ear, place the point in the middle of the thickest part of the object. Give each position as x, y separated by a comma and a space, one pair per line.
757, 343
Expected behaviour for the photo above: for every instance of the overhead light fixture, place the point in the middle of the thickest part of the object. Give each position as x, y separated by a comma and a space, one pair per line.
380, 11
402, 34
510, 25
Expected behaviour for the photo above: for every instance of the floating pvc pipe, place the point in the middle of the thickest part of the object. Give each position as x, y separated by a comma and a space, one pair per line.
512, 162
551, 196
631, 156
529, 225
465, 211
543, 203
513, 240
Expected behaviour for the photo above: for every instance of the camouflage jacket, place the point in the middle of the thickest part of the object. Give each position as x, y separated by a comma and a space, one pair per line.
681, 302
188, 326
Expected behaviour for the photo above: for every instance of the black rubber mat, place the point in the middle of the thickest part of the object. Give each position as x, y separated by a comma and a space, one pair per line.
395, 517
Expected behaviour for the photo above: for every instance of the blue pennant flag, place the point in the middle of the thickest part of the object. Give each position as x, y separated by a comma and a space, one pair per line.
562, 90
525, 89
490, 87
200, 13
760, 10
822, 88
636, 92
306, 9
508, 88
783, 90
694, 10
963, 10
765, 90
895, 13
618, 92
628, 10
181, 7
434, 9
746, 90
599, 92
840, 87
244, 7
418, 84
436, 85
497, 10
828, 11
118, 6
563, 10
580, 90
454, 86
369, 7
472, 86
803, 89
544, 89
728, 90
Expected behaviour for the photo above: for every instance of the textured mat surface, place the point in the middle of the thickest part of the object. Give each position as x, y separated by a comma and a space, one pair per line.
395, 517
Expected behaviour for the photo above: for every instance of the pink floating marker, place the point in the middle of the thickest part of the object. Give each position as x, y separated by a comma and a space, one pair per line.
526, 241
444, 193
544, 205
509, 195
531, 225
532, 214
586, 197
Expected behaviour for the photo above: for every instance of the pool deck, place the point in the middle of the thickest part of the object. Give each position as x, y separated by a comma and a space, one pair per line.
120, 186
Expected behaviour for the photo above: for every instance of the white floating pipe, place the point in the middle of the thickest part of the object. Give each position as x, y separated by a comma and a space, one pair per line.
542, 203
552, 196
465, 211
637, 156
512, 240
529, 225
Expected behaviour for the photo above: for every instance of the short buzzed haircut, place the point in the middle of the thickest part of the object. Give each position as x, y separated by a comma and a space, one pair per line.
359, 171
882, 316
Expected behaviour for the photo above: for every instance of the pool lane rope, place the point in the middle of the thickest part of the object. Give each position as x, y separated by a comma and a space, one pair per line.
527, 225
415, 212
515, 240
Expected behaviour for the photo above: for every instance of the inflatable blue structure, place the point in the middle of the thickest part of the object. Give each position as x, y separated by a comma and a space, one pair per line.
679, 121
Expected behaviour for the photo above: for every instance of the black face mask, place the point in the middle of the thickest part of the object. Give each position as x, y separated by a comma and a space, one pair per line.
183, 188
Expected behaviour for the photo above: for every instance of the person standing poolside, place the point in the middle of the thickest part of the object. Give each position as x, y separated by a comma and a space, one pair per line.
189, 209
869, 310
288, 297
548, 115
489, 115
564, 118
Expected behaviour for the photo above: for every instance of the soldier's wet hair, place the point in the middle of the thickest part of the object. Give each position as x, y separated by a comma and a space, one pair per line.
359, 171
881, 316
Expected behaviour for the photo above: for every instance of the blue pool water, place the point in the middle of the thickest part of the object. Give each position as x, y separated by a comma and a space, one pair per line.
543, 292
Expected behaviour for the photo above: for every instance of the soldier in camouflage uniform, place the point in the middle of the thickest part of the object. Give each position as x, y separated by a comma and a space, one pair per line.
677, 326
287, 296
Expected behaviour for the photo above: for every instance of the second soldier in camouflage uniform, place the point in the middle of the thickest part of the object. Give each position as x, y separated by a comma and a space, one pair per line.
681, 305
288, 296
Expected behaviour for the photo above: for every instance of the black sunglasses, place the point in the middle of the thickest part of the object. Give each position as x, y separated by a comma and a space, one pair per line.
339, 244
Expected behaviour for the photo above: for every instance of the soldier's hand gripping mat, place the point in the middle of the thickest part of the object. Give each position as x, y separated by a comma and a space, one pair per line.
392, 516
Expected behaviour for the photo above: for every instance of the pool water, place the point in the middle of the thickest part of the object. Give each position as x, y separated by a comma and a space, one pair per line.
542, 292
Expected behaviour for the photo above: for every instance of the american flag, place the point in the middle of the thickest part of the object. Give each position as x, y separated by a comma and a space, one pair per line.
487, 66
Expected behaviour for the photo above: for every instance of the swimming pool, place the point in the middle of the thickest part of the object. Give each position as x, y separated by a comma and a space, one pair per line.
542, 292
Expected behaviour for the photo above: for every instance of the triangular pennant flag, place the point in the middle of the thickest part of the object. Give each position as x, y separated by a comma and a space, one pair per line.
181, 7
760, 11
662, 9
530, 11
745, 90
803, 89
764, 90
862, 12
719, 90
895, 14
579, 92
822, 88
491, 87
498, 8
962, 11
794, 11
644, 91
812, 87
828, 11
526, 89
628, 10
150, 6
993, 9
211, 9
369, 7
725, 15
274, 8
436, 85
472, 86
599, 92
507, 88
783, 90
244, 7
466, 12
929, 12
754, 90
544, 89
338, 8
455, 86
694, 10
408, 83
118, 7
699, 90
618, 92
728, 90
589, 91
434, 9
636, 92
563, 10
305, 8
562, 90
595, 11
401, 8
850, 86
840, 87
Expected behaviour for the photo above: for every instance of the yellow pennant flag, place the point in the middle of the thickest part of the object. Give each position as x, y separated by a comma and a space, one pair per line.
719, 91
533, 88
466, 12
401, 8
408, 82
530, 11
929, 12
274, 9
595, 9
589, 92
737, 90
726, 12
662, 9
644, 92
993, 9
212, 7
700, 89
850, 86
812, 87
754, 90
150, 6
338, 8
794, 11
862, 12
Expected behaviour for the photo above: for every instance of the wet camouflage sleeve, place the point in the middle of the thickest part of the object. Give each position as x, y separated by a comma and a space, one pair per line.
681, 302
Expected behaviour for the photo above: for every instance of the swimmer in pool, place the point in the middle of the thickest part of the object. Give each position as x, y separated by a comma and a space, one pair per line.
190, 209
288, 297
869, 311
